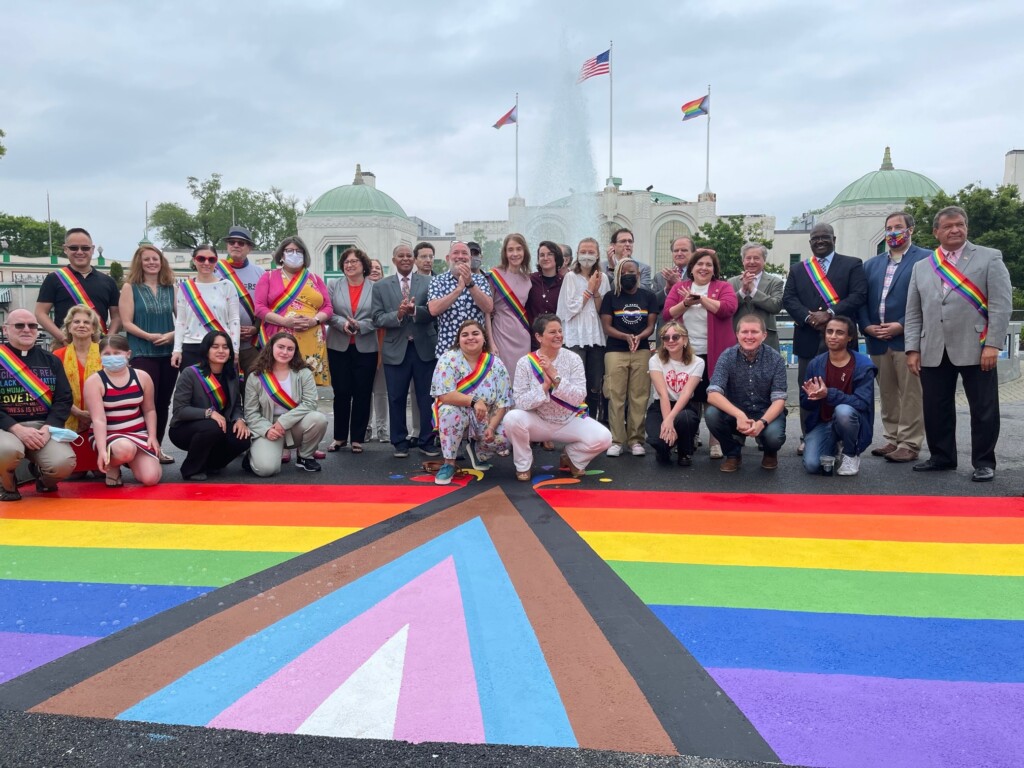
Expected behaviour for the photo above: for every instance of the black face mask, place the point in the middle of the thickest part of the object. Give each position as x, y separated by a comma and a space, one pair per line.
628, 282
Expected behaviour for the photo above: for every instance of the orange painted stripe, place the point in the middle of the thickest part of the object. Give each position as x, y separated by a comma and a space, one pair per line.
930, 506
954, 530
296, 513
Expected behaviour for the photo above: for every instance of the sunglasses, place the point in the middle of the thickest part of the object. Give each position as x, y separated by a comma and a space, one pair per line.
672, 337
236, 242
206, 259
77, 248
23, 326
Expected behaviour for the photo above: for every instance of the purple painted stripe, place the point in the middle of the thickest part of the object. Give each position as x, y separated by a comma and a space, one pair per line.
22, 651
845, 720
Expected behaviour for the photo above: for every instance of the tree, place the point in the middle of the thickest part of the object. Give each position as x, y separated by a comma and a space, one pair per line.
117, 272
27, 237
490, 250
3, 149
995, 218
726, 236
269, 216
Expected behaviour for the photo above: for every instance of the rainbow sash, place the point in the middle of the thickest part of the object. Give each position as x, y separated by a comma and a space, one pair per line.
510, 297
294, 287
229, 274
198, 304
579, 411
820, 281
273, 388
471, 381
73, 286
24, 375
957, 283
214, 389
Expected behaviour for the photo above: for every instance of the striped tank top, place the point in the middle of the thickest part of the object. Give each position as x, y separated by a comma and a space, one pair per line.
123, 406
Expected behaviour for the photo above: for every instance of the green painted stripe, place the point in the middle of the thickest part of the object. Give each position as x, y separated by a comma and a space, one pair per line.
191, 568
826, 591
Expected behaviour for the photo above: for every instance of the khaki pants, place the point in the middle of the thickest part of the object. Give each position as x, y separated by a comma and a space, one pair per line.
627, 382
265, 455
902, 411
55, 461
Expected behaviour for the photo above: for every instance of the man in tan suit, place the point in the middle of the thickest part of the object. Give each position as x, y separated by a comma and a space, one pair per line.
949, 334
759, 293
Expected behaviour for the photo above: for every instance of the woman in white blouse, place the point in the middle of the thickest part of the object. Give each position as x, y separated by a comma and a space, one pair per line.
578, 305
204, 303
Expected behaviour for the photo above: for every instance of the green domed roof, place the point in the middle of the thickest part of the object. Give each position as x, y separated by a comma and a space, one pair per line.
886, 185
355, 199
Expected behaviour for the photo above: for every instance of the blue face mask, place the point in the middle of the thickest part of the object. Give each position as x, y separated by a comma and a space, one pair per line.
62, 435
114, 362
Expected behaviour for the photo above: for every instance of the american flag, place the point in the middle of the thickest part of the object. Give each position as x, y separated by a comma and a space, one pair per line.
599, 65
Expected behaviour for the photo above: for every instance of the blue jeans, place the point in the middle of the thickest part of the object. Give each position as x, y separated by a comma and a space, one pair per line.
723, 426
397, 378
822, 440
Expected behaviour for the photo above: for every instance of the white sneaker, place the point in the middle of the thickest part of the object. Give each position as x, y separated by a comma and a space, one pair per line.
716, 451
637, 449
614, 450
849, 466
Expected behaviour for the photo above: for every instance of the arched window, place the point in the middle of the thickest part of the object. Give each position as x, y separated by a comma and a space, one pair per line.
667, 234
332, 257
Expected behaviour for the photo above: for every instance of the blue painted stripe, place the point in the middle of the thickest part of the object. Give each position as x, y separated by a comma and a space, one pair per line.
530, 712
980, 650
87, 610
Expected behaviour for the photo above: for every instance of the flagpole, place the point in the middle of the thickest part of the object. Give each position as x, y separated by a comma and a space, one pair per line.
707, 151
517, 143
49, 225
611, 73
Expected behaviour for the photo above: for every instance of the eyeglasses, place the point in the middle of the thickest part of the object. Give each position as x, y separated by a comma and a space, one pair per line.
296, 253
23, 326
77, 248
206, 259
351, 261
236, 242
673, 337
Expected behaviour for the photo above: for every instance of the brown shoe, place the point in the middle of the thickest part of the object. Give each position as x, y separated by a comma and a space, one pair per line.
885, 450
731, 463
770, 461
901, 455
566, 465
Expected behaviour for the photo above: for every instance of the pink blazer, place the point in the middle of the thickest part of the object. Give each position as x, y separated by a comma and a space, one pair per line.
270, 287
720, 333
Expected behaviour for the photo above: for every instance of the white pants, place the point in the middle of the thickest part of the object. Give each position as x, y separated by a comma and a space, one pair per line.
584, 438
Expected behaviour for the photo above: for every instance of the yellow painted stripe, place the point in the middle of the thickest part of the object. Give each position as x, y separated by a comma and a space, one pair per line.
246, 538
834, 554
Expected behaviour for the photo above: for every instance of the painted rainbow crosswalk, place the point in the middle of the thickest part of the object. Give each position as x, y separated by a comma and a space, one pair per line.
81, 566
850, 630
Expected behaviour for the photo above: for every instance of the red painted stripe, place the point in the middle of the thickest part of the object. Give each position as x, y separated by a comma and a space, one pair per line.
412, 495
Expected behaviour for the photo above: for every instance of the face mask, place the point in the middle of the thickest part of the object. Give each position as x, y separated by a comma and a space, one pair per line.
897, 239
294, 259
114, 362
62, 435
475, 262
628, 282
587, 261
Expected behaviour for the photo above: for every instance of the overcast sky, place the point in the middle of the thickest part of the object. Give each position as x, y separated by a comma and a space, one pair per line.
108, 105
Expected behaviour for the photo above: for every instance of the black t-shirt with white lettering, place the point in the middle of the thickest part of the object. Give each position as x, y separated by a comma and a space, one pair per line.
629, 314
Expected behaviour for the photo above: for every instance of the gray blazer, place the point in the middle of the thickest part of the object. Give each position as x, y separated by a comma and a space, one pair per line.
766, 303
934, 323
387, 295
337, 337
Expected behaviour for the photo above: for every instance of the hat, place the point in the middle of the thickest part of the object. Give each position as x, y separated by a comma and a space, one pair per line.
239, 233
474, 247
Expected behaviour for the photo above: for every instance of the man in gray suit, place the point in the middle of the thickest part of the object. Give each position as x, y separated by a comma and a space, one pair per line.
949, 334
400, 307
759, 292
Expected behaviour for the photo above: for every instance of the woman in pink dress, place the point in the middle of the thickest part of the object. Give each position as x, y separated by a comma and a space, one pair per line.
509, 325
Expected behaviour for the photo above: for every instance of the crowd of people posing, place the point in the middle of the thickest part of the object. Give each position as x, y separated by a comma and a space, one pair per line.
590, 354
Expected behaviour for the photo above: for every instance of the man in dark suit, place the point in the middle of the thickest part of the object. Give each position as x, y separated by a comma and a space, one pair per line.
400, 307
950, 334
812, 302
882, 320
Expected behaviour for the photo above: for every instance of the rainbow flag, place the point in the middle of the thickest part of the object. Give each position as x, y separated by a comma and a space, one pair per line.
512, 116
697, 107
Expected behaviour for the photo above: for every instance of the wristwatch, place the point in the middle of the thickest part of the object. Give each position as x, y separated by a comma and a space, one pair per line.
763, 422
556, 381
474, 401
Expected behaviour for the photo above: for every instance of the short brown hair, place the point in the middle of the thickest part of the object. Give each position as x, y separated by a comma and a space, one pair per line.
361, 255
278, 257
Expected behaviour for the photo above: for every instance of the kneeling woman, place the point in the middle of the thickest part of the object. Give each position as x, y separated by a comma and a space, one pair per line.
206, 414
280, 408
550, 389
472, 394
672, 418
121, 407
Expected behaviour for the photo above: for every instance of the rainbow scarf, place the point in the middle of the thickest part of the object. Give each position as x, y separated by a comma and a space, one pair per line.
580, 411
198, 304
73, 285
468, 383
35, 386
820, 281
291, 291
273, 388
229, 274
510, 298
957, 283
214, 389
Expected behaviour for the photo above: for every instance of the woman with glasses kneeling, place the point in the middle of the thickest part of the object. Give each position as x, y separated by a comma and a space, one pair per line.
206, 415
550, 389
672, 418
280, 408
472, 394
